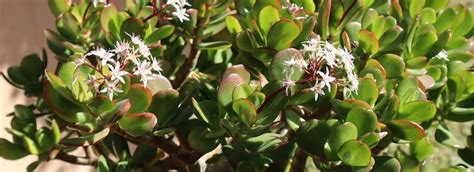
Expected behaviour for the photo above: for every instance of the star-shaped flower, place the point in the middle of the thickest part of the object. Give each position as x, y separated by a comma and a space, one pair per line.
80, 61
111, 88
318, 90
144, 71
93, 83
181, 14
103, 55
326, 79
117, 72
156, 66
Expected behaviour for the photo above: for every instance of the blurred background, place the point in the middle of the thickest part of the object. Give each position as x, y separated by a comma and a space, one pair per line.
21, 33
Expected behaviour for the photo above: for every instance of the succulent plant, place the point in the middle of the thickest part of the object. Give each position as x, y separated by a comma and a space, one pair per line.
248, 85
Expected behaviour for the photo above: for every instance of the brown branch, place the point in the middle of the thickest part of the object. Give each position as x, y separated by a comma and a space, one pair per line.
193, 57
299, 161
159, 142
75, 160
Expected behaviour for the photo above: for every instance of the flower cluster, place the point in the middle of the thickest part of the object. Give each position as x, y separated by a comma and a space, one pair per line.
180, 9
321, 62
127, 58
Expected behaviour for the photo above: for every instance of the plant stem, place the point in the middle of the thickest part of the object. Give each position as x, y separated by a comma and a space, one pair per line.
299, 161
278, 91
158, 142
193, 57
74, 159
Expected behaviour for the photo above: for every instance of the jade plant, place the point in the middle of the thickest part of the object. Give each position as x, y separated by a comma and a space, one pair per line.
248, 85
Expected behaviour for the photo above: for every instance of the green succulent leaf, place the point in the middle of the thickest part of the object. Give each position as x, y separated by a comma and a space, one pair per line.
159, 34
446, 137
140, 98
226, 88
342, 133
368, 41
216, 45
417, 111
267, 17
364, 120
138, 124
282, 33
164, 104
371, 139
133, 27
245, 110
86, 140
406, 130
386, 164
11, 151
368, 91
393, 65
354, 153
421, 149
312, 135
199, 142
233, 25
58, 6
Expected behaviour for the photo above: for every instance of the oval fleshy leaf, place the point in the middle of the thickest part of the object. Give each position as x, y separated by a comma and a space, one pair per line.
140, 98
245, 110
138, 124
354, 153
239, 70
226, 88
86, 140
198, 141
364, 120
282, 33
386, 164
11, 151
417, 111
312, 135
164, 105
406, 130
341, 134
368, 91
267, 17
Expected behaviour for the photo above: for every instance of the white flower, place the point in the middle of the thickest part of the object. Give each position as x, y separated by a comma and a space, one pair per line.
326, 79
104, 56
353, 82
318, 90
97, 2
142, 47
155, 65
311, 45
346, 59
292, 8
93, 82
122, 48
178, 3
442, 55
181, 14
172, 2
144, 70
80, 61
328, 53
288, 83
117, 72
111, 88
382, 134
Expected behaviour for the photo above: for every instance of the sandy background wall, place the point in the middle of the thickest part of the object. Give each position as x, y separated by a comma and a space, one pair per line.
21, 33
